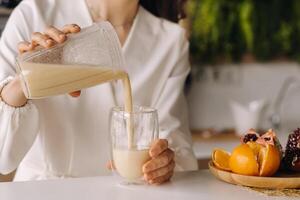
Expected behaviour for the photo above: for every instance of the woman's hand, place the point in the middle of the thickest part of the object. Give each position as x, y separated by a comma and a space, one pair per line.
48, 39
51, 37
12, 93
161, 166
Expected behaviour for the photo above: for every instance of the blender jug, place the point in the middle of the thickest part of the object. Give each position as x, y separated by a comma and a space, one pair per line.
87, 58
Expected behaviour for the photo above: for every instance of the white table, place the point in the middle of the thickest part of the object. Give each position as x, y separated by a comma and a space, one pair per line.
184, 186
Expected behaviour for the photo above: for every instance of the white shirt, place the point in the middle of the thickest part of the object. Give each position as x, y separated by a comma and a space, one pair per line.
63, 136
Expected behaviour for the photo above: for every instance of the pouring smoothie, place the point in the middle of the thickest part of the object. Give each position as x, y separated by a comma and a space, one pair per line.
42, 78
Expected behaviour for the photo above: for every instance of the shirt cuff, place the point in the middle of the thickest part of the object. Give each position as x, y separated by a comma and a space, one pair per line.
3, 83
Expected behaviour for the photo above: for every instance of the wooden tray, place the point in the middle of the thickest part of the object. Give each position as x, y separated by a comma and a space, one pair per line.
279, 181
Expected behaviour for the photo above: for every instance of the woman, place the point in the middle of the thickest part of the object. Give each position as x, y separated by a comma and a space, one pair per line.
63, 136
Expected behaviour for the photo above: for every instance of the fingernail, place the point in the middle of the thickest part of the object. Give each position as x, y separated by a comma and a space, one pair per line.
62, 36
31, 46
152, 153
146, 170
145, 177
49, 41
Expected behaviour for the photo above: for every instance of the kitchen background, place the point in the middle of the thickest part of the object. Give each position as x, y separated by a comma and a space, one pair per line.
6, 7
245, 69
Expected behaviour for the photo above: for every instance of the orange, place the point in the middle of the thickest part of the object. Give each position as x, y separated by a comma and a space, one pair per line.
220, 159
269, 159
256, 148
255, 159
243, 161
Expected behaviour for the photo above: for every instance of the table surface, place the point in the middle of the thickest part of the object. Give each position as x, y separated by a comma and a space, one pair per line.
187, 185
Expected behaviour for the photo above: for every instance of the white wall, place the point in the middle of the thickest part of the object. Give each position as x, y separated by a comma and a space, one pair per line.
209, 98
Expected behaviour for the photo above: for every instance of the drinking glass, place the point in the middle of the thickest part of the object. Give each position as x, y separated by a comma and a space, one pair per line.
131, 137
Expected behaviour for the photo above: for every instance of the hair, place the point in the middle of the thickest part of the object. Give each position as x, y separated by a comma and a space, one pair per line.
172, 10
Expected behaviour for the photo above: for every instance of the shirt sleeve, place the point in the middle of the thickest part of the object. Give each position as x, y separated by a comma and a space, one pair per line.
18, 28
18, 126
172, 110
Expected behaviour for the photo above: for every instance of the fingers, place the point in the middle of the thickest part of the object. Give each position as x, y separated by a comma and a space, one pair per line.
50, 38
160, 172
110, 165
71, 28
57, 35
161, 179
41, 39
25, 46
162, 160
75, 94
158, 147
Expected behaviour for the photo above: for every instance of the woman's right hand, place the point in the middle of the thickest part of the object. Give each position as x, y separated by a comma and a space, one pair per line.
12, 93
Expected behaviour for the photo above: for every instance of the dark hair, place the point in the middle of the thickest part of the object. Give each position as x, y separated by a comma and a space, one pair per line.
172, 10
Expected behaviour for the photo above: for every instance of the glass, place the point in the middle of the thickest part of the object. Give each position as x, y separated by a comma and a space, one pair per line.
130, 151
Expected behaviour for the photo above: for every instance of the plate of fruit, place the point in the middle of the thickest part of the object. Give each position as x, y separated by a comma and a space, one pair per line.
259, 161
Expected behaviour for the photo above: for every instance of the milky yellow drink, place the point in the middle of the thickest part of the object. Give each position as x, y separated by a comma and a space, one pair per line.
129, 163
42, 80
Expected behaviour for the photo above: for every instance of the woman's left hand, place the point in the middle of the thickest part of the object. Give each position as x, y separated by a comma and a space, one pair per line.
161, 166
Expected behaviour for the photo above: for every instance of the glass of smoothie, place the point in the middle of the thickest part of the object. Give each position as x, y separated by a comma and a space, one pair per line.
131, 137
